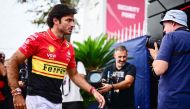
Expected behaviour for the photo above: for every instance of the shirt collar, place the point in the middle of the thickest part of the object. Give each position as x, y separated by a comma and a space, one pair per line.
182, 28
54, 37
114, 67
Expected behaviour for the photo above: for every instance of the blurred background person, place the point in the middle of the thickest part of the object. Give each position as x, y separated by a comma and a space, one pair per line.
71, 96
5, 93
2, 79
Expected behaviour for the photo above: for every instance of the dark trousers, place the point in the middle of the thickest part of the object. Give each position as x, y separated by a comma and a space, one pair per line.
73, 105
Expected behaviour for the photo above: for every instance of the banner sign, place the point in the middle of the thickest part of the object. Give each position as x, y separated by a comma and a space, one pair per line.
125, 18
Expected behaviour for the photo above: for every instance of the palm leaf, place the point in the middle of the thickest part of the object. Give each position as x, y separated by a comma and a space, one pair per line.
94, 53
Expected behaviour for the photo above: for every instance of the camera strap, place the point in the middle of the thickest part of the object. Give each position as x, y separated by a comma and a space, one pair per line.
66, 86
187, 52
181, 53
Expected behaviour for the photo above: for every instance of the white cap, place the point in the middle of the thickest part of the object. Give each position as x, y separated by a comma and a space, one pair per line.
177, 16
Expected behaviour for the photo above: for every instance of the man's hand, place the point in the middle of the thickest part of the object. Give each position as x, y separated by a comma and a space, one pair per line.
105, 88
99, 98
19, 102
154, 52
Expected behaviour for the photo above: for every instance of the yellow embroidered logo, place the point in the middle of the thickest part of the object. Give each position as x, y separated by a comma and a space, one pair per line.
48, 68
51, 48
54, 69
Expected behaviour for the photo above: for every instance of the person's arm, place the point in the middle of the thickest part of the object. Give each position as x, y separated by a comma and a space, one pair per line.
82, 75
129, 79
124, 84
159, 67
12, 74
12, 69
83, 84
2, 69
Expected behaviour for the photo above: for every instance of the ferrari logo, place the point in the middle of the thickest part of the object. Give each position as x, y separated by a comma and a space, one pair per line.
51, 48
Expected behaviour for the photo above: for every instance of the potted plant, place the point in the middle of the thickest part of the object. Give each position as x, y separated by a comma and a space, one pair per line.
95, 54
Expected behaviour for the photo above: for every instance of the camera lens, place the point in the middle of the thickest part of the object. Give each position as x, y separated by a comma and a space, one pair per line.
150, 43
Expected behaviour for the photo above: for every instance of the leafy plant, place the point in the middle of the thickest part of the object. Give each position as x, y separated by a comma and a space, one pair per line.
94, 53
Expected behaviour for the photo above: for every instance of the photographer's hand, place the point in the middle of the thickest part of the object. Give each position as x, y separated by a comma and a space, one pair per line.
105, 88
154, 52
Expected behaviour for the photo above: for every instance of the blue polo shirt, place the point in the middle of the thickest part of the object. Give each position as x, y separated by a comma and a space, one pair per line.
174, 84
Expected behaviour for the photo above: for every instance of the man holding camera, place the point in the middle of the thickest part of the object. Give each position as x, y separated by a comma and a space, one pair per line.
118, 85
171, 62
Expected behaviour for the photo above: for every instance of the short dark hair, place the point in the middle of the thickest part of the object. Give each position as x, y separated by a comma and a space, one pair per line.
121, 48
58, 11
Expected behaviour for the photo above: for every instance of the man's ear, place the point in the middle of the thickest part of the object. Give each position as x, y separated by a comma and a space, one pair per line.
173, 24
55, 21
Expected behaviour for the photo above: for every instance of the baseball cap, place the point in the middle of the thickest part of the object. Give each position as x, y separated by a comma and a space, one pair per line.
177, 16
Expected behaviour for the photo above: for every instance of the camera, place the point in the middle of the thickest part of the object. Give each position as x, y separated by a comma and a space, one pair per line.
95, 78
23, 73
150, 42
110, 79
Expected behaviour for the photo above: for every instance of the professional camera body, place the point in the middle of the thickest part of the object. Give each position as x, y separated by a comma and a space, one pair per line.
23, 73
95, 78
150, 42
109, 80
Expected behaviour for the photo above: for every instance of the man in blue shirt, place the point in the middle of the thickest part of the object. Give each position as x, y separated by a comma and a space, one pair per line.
171, 62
